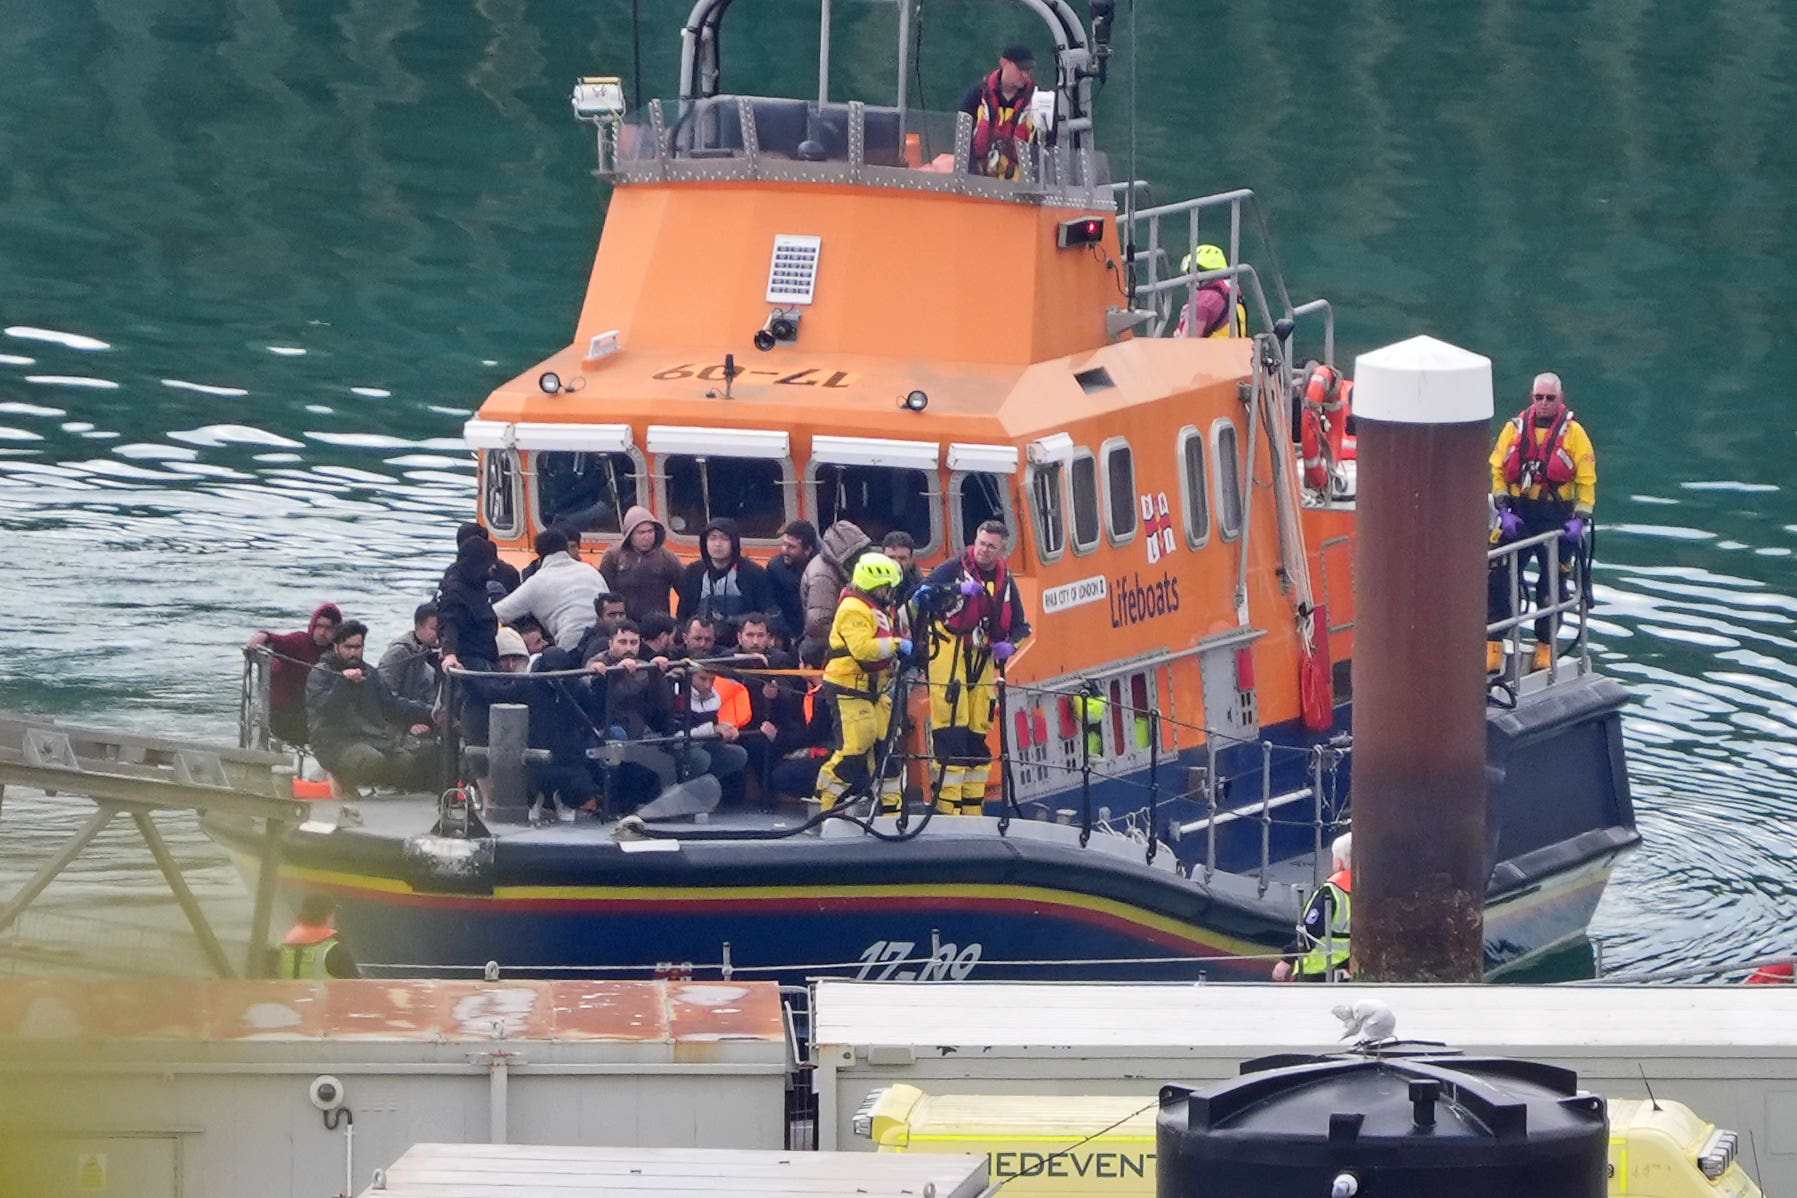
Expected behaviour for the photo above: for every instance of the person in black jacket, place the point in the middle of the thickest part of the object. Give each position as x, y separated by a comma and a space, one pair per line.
723, 584
502, 576
798, 544
465, 616
358, 725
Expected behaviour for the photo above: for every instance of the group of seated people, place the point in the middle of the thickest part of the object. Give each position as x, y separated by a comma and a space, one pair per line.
626, 703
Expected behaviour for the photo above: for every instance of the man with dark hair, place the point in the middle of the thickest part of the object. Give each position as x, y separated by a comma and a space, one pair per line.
722, 583
409, 667
635, 703
357, 723
901, 547
559, 595
500, 571
972, 612
798, 542
608, 613
659, 639
701, 638
312, 950
569, 532
295, 654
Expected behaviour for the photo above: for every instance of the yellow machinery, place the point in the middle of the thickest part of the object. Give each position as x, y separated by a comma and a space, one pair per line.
1091, 1146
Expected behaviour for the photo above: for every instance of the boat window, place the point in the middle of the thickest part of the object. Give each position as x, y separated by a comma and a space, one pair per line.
1120, 490
1229, 479
1084, 478
590, 491
1193, 486
1048, 500
499, 486
879, 499
751, 491
976, 497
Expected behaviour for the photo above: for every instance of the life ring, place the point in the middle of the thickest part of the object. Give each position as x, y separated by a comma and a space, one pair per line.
1345, 447
1313, 431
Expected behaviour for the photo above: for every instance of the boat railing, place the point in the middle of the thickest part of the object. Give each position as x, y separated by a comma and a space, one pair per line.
253, 728
1154, 235
1556, 556
778, 139
1213, 791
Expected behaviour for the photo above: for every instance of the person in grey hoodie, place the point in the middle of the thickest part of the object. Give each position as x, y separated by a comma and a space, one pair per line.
560, 595
827, 573
640, 567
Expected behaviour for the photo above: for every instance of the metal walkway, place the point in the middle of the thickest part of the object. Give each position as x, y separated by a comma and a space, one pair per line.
130, 775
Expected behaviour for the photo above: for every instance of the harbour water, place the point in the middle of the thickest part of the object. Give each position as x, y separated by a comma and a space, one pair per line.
260, 259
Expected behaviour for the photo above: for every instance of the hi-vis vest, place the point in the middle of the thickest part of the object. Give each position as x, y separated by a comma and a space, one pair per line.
1331, 951
1221, 328
303, 951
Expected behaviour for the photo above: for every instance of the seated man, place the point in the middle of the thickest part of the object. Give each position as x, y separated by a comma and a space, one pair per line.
637, 717
295, 653
410, 666
800, 742
701, 639
715, 721
358, 726
608, 611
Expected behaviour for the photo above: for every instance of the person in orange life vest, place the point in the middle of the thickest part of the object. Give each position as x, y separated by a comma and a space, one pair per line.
862, 653
312, 950
1543, 477
975, 620
1000, 107
1208, 313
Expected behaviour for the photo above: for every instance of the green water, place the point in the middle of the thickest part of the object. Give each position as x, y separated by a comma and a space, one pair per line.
398, 190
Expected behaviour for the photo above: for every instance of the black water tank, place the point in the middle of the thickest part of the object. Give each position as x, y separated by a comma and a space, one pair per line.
1399, 1125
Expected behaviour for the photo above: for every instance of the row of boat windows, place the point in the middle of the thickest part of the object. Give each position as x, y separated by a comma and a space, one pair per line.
1074, 502
1087, 496
593, 491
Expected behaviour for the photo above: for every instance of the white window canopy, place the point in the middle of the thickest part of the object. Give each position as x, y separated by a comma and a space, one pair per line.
1056, 447
587, 438
984, 459
719, 442
875, 451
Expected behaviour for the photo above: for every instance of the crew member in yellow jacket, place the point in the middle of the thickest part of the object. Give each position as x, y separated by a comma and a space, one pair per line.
1543, 478
864, 649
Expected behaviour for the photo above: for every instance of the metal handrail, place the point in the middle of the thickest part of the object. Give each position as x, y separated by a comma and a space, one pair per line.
1509, 630
1152, 250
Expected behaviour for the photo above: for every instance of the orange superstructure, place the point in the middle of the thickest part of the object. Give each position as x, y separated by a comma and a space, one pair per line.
1164, 544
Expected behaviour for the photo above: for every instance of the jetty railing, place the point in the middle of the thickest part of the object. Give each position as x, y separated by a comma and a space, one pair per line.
136, 776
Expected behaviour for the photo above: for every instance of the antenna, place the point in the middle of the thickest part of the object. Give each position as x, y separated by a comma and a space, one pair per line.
636, 52
1644, 1082
1129, 190
1755, 1149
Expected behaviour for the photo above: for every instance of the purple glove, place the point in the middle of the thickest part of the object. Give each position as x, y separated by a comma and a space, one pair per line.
904, 646
1002, 650
971, 587
1575, 529
1509, 524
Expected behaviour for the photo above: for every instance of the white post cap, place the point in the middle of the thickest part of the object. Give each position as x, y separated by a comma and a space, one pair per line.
1423, 381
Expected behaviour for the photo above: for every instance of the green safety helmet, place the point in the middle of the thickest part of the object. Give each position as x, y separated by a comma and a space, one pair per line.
1204, 257
875, 570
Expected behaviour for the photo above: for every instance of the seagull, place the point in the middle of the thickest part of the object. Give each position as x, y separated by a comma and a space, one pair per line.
1369, 1019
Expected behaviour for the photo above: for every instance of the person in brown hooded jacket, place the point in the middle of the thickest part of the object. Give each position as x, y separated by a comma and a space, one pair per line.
295, 653
820, 586
640, 567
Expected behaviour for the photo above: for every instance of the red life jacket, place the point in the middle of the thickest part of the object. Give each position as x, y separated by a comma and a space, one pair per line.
989, 608
995, 129
1528, 464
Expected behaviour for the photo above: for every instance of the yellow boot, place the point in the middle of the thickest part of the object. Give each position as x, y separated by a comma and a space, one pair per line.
1544, 657
1494, 657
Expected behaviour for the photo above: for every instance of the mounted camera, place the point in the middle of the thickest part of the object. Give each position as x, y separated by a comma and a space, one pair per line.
326, 1093
782, 328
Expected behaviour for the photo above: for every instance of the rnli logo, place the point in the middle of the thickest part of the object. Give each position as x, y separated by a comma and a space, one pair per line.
1157, 520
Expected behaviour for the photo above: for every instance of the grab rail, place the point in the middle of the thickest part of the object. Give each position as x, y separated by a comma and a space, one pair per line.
1509, 557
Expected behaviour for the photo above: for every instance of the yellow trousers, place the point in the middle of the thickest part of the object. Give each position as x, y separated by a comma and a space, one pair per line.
961, 710
860, 724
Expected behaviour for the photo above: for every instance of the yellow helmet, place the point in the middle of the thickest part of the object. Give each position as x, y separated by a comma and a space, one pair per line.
875, 570
1204, 257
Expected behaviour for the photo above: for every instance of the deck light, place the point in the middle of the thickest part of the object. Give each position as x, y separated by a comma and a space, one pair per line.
597, 98
1085, 230
549, 382
917, 401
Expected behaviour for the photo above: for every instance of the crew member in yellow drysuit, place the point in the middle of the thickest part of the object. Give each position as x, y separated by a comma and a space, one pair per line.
863, 651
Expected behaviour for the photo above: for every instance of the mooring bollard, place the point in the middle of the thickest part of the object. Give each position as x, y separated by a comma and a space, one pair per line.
1424, 410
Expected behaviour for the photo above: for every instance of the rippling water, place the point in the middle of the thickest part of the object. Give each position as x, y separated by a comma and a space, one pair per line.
260, 258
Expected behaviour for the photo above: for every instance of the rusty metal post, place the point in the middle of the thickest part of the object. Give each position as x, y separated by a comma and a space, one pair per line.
1424, 410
